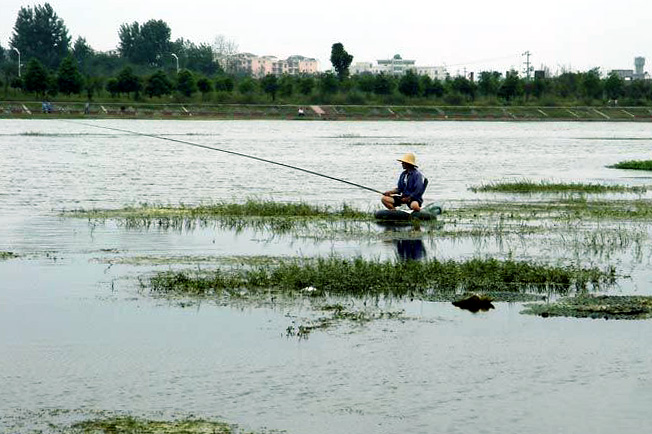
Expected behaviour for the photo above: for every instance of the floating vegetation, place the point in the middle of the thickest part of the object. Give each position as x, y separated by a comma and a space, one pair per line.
132, 425
7, 255
602, 306
633, 165
527, 186
362, 277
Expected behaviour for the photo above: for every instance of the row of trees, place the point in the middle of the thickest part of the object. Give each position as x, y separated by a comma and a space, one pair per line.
490, 88
143, 66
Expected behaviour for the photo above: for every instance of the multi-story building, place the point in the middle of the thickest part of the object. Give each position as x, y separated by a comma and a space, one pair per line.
631, 74
258, 67
398, 66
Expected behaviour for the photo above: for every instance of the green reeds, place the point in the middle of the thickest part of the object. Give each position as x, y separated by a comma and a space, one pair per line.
604, 306
527, 186
633, 165
362, 277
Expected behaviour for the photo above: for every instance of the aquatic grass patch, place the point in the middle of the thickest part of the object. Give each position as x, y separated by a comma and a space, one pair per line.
364, 277
527, 187
250, 208
7, 255
132, 425
600, 306
633, 165
562, 209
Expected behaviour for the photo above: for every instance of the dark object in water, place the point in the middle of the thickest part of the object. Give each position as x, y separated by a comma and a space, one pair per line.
474, 303
395, 215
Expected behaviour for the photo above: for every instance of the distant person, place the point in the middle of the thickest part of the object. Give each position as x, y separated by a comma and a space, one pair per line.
87, 108
410, 188
301, 113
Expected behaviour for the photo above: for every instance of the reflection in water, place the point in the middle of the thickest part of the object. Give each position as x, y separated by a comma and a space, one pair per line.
410, 249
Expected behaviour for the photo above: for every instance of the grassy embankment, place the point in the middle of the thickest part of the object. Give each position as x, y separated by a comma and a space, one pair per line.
192, 110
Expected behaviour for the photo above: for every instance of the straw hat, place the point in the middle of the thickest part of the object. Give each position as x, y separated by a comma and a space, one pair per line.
409, 158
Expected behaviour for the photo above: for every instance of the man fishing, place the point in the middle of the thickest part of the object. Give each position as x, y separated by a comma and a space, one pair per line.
410, 187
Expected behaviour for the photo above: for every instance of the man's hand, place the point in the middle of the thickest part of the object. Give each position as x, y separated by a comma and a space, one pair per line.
405, 199
388, 193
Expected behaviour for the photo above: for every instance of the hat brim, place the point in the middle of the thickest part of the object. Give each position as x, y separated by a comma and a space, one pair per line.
407, 162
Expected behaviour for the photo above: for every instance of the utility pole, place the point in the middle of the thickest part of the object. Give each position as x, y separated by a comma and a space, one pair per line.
528, 68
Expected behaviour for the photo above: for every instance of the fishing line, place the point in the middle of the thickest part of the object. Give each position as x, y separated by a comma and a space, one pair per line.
240, 154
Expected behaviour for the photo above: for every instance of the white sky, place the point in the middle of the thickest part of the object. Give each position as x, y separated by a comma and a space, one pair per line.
472, 34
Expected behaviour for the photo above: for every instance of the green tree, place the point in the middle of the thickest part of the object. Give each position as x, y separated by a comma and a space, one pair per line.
384, 84
247, 86
365, 82
464, 87
328, 84
432, 87
567, 84
224, 83
269, 84
112, 87
69, 80
158, 84
591, 84
148, 44
39, 33
83, 54
129, 82
36, 77
286, 86
489, 83
614, 86
511, 87
341, 60
306, 85
409, 84
186, 83
205, 86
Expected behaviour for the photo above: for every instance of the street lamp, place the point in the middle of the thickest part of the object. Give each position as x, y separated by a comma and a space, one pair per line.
177, 58
16, 50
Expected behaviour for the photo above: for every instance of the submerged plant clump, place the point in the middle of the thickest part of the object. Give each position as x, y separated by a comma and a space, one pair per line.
527, 186
603, 306
361, 277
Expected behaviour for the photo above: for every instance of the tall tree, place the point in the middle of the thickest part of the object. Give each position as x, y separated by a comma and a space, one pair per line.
36, 77
341, 60
148, 44
69, 80
39, 33
128, 82
591, 84
489, 83
83, 54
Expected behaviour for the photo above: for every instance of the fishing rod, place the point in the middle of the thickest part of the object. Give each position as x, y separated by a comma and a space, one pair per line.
226, 151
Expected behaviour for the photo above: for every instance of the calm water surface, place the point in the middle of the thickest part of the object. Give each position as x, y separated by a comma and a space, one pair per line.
76, 334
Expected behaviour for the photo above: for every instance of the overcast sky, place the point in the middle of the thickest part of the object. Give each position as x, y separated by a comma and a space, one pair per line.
469, 35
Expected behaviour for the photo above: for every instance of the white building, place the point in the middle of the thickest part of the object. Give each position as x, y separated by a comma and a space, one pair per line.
398, 66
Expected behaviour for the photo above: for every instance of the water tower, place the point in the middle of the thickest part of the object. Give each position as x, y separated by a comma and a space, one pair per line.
639, 64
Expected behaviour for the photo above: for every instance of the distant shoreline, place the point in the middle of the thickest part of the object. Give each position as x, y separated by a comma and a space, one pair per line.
103, 110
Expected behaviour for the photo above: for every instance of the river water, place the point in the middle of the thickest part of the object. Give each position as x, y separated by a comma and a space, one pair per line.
76, 334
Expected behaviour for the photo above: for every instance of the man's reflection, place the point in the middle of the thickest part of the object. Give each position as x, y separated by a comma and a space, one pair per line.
410, 249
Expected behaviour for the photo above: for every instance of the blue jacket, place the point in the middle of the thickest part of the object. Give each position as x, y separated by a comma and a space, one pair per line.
414, 187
